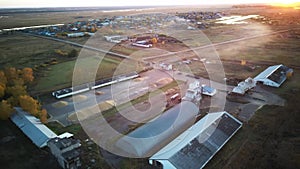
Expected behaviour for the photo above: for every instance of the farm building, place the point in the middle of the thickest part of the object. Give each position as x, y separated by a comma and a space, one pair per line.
195, 147
152, 136
244, 86
142, 43
75, 35
115, 38
32, 127
274, 75
193, 93
208, 91
66, 151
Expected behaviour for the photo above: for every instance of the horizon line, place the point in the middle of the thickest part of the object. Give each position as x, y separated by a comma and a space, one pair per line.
116, 6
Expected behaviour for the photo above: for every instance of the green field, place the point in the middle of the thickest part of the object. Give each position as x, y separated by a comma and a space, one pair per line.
20, 51
60, 75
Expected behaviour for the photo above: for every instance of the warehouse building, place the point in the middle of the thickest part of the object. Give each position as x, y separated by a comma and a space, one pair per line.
195, 147
244, 86
274, 75
32, 127
152, 136
66, 151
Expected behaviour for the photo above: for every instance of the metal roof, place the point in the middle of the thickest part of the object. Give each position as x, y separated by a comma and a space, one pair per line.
207, 90
198, 144
32, 127
152, 136
266, 73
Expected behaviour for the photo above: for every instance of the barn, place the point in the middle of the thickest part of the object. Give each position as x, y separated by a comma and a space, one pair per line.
196, 146
274, 75
152, 136
32, 127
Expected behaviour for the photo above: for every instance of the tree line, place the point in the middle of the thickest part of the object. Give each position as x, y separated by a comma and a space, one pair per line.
13, 93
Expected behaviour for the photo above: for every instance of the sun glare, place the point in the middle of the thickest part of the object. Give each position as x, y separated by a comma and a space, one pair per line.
287, 3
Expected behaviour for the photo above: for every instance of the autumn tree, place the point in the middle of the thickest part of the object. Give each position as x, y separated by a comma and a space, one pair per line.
43, 116
11, 74
13, 90
16, 91
154, 40
30, 105
3, 79
27, 75
6, 110
2, 91
17, 82
73, 53
93, 29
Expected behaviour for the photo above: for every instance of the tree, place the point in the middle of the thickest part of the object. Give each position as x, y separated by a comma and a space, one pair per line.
43, 116
72, 53
93, 29
17, 82
2, 90
27, 75
16, 91
3, 79
154, 40
6, 110
11, 74
30, 105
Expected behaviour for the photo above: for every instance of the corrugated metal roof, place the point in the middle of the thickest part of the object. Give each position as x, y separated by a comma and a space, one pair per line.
198, 144
32, 127
266, 73
207, 90
149, 138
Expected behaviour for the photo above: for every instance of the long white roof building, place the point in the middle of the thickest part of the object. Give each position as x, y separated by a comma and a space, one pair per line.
32, 127
152, 136
274, 75
197, 145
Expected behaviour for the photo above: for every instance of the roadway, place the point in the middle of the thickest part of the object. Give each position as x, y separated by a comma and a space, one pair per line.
126, 91
157, 56
80, 45
214, 45
121, 93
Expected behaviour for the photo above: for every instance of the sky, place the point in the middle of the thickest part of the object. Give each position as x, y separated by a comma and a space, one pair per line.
103, 3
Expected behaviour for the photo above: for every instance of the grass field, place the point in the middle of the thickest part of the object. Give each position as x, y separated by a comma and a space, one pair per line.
20, 51
60, 75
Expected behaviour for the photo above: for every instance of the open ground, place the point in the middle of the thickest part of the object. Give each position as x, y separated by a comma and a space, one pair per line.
269, 140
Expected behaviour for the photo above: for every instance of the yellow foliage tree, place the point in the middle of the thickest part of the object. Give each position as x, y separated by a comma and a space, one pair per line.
30, 105
93, 29
3, 79
2, 90
11, 74
154, 40
43, 116
16, 91
27, 75
6, 110
17, 82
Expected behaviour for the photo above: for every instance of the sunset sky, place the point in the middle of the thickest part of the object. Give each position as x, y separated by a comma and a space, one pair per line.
90, 3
